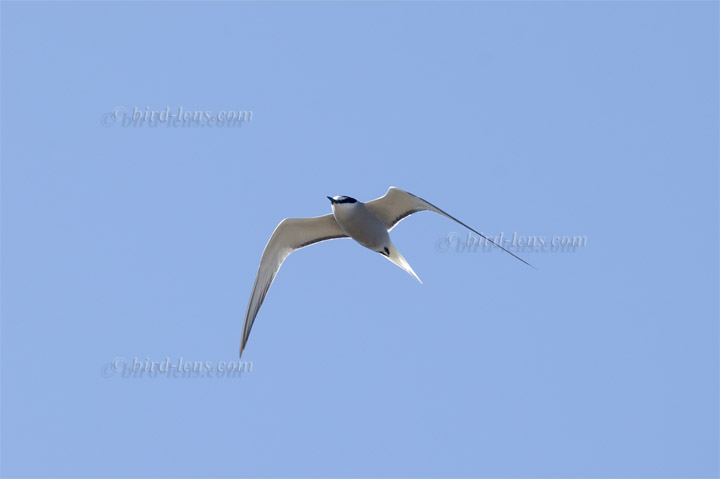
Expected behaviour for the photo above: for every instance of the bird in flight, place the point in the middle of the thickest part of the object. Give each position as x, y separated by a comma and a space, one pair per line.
367, 223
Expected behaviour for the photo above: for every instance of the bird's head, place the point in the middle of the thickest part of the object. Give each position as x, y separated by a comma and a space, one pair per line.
341, 200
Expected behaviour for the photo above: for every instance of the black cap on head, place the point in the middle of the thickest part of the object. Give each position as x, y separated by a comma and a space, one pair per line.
342, 199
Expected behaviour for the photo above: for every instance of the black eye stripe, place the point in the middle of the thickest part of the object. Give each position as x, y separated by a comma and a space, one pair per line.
346, 199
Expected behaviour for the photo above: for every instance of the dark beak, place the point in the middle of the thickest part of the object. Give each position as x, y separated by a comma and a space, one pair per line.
331, 200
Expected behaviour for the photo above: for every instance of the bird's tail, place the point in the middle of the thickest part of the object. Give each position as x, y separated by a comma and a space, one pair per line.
399, 260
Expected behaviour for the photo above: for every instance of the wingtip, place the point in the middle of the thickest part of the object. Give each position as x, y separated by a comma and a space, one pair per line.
533, 267
412, 273
398, 259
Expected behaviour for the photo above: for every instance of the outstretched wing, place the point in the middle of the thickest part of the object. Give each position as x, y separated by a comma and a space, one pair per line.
291, 234
397, 205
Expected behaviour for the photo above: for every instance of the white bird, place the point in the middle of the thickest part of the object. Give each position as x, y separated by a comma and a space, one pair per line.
367, 223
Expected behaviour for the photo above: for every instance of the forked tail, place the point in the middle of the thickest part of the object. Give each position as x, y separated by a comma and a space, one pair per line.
399, 260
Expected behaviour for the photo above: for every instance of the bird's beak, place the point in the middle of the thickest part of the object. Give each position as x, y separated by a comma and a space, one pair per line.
331, 200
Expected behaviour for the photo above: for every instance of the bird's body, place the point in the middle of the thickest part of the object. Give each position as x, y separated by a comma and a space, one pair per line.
367, 223
361, 225
364, 226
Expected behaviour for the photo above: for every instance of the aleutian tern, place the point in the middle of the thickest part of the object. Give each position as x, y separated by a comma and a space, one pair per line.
367, 223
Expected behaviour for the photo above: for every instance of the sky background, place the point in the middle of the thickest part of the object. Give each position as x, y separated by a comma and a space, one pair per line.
594, 119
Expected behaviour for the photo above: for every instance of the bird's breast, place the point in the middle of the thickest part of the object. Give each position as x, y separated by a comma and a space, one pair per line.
361, 225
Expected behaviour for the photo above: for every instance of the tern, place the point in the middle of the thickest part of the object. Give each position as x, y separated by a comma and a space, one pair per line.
367, 223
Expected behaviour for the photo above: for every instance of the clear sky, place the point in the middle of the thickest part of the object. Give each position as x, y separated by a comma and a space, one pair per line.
591, 119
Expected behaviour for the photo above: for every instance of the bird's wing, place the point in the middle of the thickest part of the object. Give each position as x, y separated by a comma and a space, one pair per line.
291, 234
397, 205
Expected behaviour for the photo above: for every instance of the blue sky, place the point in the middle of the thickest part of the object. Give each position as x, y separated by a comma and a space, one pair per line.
592, 119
